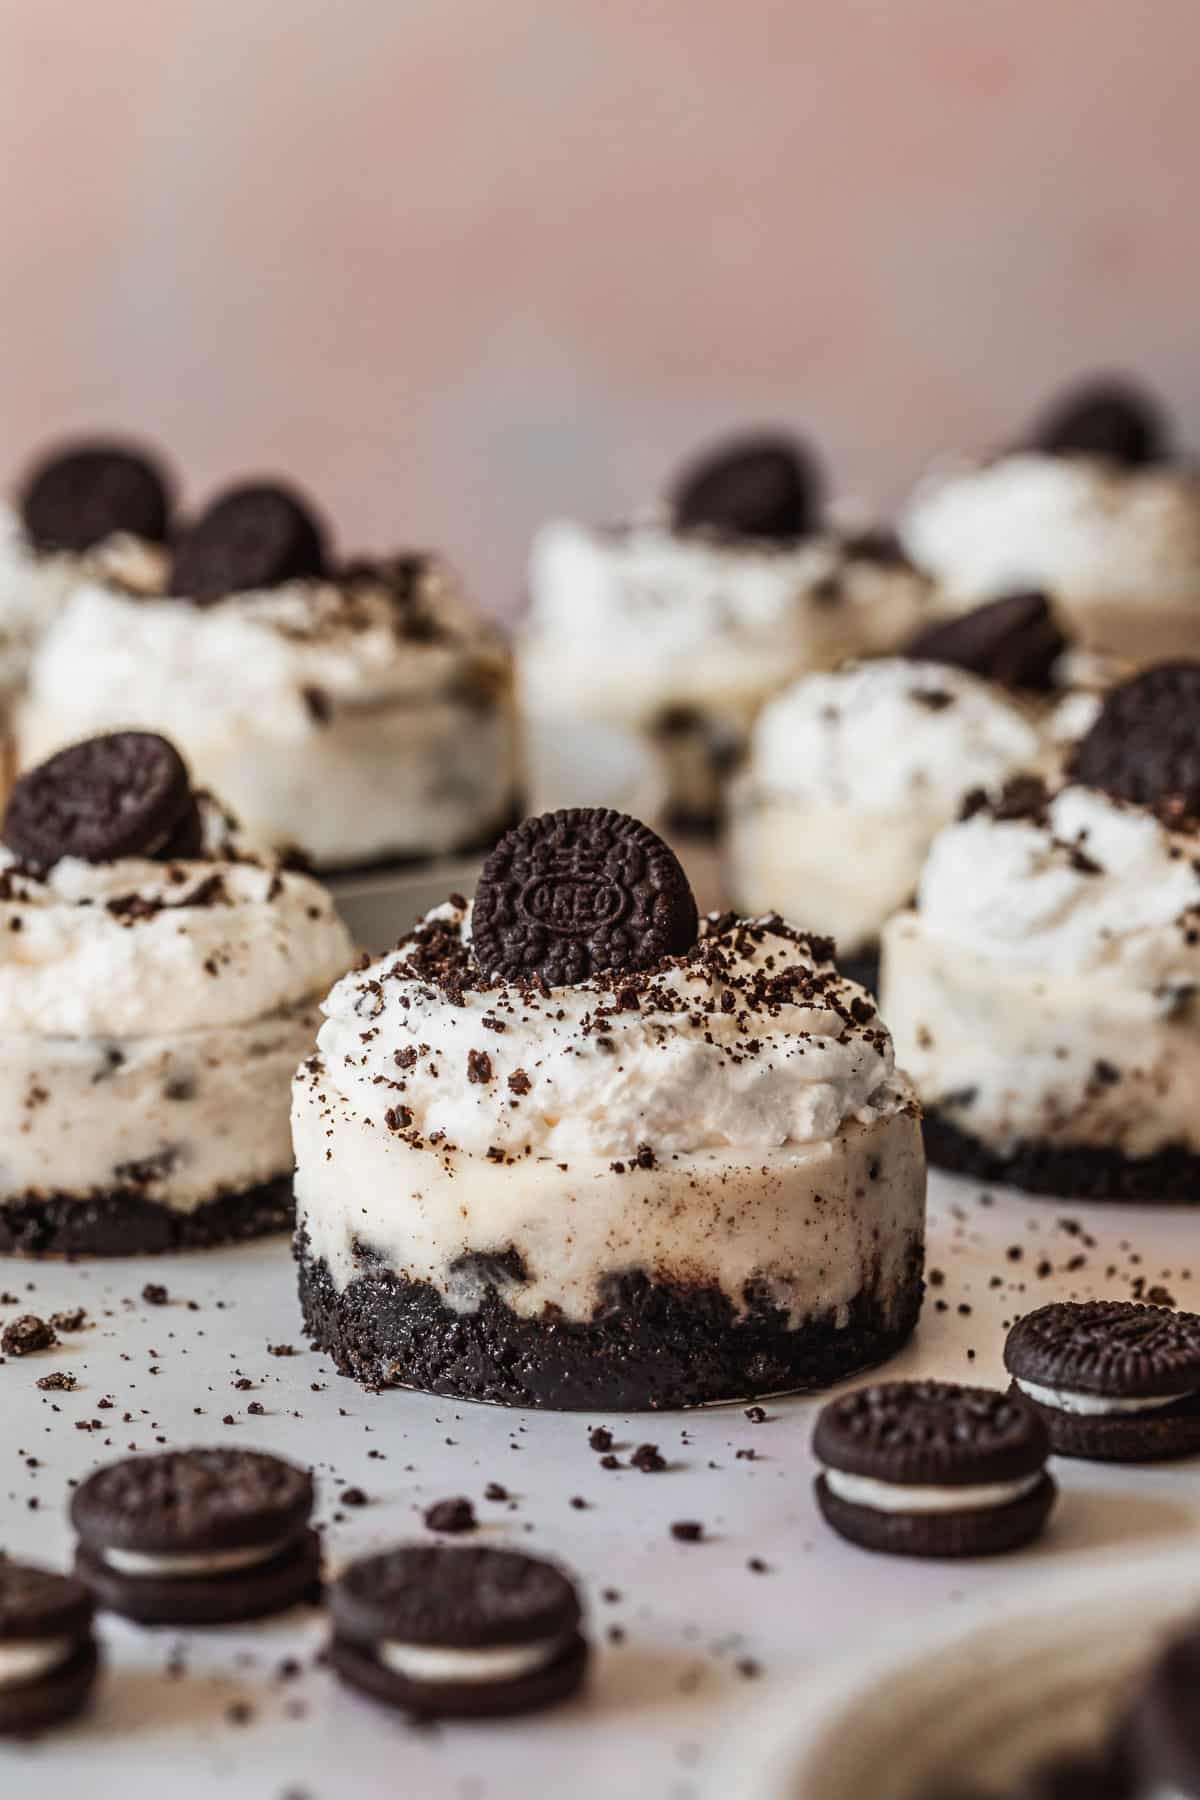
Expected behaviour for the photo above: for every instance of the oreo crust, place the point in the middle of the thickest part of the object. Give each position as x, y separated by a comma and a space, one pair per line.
548, 1686
862, 967
124, 1223
573, 892
650, 1346
78, 496
930, 1434
765, 486
1014, 641
1145, 744
1106, 417
1065, 1171
979, 1531
40, 1605
123, 794
253, 536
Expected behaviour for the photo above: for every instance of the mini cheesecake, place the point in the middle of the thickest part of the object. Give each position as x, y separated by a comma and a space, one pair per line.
157, 988
849, 779
571, 1147
357, 715
650, 647
1090, 508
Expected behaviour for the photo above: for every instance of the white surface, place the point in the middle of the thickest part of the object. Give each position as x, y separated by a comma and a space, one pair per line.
663, 1703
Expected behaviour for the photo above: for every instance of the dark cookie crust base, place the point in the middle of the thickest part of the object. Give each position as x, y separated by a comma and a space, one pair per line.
863, 968
251, 1593
1067, 1171
651, 1347
558, 1681
53, 1698
125, 1223
1123, 1437
985, 1531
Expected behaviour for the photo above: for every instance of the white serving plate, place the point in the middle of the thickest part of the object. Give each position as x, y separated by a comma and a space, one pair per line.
966, 1699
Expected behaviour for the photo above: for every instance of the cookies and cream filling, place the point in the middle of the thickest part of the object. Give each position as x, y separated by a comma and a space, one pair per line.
911, 1497
163, 1565
851, 774
441, 1663
1042, 987
356, 720
27, 1659
708, 1122
1081, 1405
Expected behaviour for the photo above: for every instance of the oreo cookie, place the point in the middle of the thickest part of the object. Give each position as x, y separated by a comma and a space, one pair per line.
1113, 1380
1106, 417
1145, 743
571, 893
197, 1537
1162, 1730
458, 1633
127, 793
48, 1657
764, 486
85, 493
252, 536
928, 1468
1014, 641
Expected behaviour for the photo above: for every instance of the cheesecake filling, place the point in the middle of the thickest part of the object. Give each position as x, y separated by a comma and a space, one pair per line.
1095, 1406
439, 1663
27, 1659
895, 1497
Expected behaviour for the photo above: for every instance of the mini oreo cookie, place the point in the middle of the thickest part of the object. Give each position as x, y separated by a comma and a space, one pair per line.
458, 1633
1145, 744
1162, 1729
1014, 641
77, 497
127, 793
48, 1657
764, 486
197, 1537
571, 893
253, 536
1114, 1380
929, 1468
1105, 417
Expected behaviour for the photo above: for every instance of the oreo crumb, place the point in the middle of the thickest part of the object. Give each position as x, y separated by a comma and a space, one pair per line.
687, 1531
451, 1515
24, 1336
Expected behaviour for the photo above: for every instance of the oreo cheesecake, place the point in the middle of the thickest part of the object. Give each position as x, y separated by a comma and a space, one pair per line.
650, 647
571, 1146
1041, 991
157, 988
355, 714
1092, 507
850, 777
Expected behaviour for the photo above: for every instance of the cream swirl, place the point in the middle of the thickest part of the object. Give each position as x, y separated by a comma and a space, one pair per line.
751, 1039
1083, 882
136, 948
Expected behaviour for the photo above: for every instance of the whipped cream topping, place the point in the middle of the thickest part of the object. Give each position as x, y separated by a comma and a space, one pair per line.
1081, 883
135, 948
25, 1659
892, 1497
437, 1663
890, 734
751, 1039
1082, 527
1070, 1400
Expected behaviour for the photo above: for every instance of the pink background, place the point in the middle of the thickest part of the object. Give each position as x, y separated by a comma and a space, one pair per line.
461, 263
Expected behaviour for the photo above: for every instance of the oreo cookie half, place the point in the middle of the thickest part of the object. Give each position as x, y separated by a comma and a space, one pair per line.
253, 536
124, 794
928, 1468
458, 1633
571, 893
1014, 641
48, 1658
1145, 743
1113, 1380
1106, 417
77, 497
766, 486
197, 1537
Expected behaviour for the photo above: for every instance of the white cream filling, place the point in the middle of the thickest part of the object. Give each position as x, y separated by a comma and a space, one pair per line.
437, 1663
893, 1497
1067, 1400
199, 1562
24, 1659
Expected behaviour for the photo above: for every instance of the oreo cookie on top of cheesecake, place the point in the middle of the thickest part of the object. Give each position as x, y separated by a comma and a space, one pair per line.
571, 1145
1042, 989
157, 988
